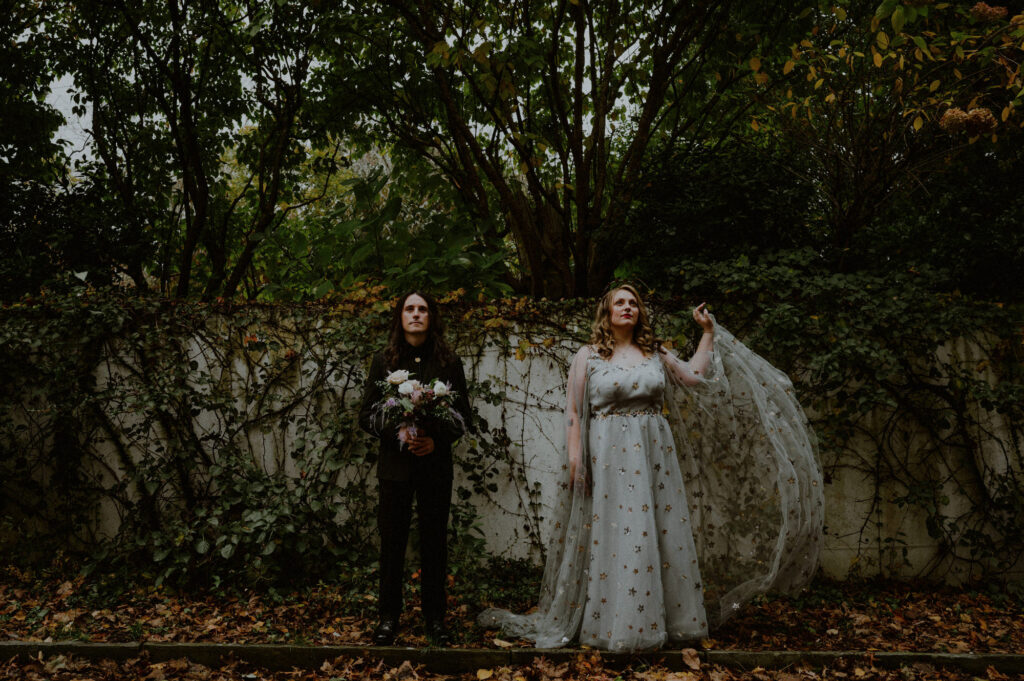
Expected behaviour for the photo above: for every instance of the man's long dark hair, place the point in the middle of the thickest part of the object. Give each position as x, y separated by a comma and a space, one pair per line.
397, 346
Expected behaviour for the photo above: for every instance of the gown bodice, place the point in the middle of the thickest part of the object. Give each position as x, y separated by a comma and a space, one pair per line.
614, 388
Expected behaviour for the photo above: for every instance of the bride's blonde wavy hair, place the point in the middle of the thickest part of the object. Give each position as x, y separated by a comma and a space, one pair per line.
601, 336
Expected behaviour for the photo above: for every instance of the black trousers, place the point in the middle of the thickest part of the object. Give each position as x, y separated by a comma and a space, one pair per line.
433, 503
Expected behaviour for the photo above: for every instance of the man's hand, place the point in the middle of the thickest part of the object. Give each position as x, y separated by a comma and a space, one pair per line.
421, 445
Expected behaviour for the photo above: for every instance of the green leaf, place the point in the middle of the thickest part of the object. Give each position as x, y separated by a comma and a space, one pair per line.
898, 19
886, 8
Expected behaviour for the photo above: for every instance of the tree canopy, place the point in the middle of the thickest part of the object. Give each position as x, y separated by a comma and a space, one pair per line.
291, 150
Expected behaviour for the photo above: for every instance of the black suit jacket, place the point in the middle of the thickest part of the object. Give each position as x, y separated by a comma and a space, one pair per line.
396, 461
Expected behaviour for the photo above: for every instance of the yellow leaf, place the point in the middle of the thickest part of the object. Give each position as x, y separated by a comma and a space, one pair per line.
755, 64
883, 40
831, 97
934, 86
877, 58
918, 122
754, 124
484, 674
761, 78
821, 81
1006, 113
840, 13
788, 67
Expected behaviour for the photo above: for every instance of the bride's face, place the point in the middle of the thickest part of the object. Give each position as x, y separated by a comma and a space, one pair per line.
623, 309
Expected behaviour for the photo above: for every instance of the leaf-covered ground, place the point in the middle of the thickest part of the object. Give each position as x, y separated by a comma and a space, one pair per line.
584, 668
896, 616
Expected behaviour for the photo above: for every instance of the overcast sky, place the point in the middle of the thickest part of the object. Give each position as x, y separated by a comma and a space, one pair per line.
74, 128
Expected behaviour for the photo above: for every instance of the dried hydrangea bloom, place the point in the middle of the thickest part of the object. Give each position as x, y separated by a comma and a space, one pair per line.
983, 12
953, 121
974, 122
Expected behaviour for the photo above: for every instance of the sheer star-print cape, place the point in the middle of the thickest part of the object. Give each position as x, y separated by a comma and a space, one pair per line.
753, 485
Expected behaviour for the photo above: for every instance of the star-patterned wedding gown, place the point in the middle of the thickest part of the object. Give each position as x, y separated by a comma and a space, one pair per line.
698, 493
643, 583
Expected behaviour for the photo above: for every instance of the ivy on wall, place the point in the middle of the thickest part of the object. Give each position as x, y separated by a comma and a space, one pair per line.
237, 452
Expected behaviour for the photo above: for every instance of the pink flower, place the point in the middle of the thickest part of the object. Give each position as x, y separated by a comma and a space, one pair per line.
407, 432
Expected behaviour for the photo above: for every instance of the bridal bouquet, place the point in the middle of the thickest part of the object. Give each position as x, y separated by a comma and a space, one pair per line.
405, 401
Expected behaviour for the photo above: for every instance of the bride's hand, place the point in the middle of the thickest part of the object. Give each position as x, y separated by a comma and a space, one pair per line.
578, 479
703, 317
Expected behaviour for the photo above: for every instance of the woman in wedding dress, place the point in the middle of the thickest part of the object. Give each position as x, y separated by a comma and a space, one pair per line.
690, 487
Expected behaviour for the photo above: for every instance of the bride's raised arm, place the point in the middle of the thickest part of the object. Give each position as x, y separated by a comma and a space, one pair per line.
694, 371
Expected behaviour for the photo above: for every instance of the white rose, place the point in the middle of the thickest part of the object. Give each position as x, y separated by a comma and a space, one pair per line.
406, 388
396, 377
440, 389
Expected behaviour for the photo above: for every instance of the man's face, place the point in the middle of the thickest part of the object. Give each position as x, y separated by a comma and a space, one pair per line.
415, 315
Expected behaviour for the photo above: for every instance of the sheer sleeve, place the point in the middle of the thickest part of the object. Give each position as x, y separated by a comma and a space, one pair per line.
575, 406
689, 373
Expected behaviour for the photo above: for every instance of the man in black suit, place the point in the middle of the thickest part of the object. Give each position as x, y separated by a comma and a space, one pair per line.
420, 468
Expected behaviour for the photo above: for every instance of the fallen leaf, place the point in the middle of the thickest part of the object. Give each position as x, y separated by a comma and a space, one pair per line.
404, 672
994, 675
691, 658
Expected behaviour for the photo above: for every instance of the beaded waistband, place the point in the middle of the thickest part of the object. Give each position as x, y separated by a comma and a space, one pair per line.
630, 412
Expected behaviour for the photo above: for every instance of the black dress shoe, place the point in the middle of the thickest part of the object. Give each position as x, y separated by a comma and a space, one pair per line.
437, 634
384, 634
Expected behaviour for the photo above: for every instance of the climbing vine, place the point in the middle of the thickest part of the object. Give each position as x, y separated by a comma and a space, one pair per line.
221, 440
